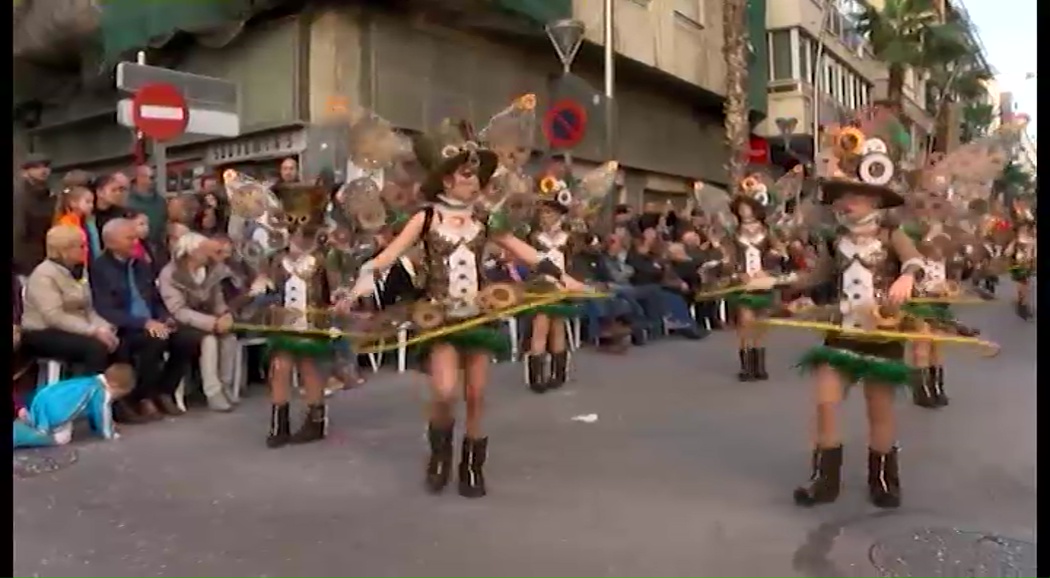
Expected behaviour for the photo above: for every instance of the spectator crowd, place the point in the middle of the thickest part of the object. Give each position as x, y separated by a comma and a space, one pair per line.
108, 270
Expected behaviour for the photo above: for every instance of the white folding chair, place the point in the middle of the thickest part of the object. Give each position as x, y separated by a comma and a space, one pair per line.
50, 371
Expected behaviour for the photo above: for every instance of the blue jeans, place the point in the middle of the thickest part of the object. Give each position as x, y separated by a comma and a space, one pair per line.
594, 310
645, 304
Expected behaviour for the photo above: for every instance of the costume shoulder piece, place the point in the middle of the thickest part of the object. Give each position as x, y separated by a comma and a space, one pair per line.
579, 200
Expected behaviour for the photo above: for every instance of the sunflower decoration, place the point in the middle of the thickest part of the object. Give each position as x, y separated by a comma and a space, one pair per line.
553, 193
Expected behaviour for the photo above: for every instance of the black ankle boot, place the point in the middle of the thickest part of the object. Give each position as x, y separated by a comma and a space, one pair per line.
439, 467
884, 481
759, 357
940, 399
315, 425
747, 365
280, 427
471, 467
922, 387
559, 370
825, 480
536, 372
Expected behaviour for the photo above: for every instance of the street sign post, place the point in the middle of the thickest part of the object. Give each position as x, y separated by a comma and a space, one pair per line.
210, 105
565, 124
159, 111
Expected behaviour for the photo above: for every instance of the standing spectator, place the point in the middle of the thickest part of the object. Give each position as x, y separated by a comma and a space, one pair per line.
289, 172
146, 198
623, 221
111, 195
126, 295
23, 378
59, 321
212, 217
190, 285
36, 211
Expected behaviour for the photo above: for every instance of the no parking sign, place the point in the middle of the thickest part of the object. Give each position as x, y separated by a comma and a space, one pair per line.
565, 124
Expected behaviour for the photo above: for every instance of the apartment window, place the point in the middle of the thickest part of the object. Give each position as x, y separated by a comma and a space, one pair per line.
691, 10
805, 64
780, 65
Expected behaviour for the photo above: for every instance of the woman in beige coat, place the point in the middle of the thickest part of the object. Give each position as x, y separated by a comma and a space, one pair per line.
192, 293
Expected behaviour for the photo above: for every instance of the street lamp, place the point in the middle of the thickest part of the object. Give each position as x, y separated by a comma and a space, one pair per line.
567, 36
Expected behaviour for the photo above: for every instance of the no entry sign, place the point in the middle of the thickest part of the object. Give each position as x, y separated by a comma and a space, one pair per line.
565, 124
160, 111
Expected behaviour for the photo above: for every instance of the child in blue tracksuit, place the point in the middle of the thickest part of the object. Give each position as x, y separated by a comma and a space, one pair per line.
48, 420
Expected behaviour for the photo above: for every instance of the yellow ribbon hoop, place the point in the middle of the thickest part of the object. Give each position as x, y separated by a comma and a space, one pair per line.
990, 348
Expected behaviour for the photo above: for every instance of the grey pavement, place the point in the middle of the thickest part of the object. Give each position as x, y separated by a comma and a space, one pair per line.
685, 473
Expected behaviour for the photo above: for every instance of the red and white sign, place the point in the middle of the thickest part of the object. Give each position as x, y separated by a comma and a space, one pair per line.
160, 111
758, 151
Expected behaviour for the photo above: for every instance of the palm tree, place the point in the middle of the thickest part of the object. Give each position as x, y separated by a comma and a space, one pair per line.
1014, 182
976, 120
737, 122
908, 34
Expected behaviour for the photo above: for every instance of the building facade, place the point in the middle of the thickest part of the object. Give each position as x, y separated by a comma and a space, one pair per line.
810, 87
415, 65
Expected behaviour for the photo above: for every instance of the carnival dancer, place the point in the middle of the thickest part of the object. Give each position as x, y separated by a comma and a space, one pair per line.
754, 251
453, 232
553, 242
1021, 254
296, 278
872, 265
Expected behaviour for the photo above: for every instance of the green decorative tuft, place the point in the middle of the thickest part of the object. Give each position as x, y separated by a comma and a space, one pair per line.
312, 347
856, 366
900, 136
474, 339
929, 311
561, 310
912, 230
499, 223
1019, 274
755, 301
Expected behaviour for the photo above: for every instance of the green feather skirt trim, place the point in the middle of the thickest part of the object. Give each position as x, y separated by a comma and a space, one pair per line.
756, 300
1020, 274
311, 347
561, 310
929, 311
857, 366
488, 339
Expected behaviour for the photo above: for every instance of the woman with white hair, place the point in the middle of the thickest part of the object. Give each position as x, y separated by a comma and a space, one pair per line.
192, 292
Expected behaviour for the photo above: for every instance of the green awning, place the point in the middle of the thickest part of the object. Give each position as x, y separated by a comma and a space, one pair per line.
538, 11
128, 25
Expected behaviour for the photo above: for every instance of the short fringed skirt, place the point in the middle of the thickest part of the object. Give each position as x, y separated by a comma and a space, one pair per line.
559, 310
308, 347
753, 300
929, 311
880, 362
1020, 274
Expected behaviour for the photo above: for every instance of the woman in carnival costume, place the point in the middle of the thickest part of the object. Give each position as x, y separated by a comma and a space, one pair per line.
1020, 252
454, 230
292, 287
872, 265
753, 251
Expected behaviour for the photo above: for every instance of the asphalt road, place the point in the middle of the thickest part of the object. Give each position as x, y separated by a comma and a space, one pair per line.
684, 473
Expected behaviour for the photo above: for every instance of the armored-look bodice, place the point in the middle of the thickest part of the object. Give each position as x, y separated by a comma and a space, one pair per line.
454, 244
865, 267
302, 284
1023, 252
752, 251
553, 245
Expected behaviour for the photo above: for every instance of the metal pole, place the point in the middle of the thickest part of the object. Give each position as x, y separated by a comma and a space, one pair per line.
818, 79
608, 40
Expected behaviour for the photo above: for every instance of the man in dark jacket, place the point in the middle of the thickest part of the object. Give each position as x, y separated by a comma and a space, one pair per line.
35, 214
125, 294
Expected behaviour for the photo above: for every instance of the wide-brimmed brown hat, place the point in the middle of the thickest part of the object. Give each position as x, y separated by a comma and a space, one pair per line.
833, 188
304, 204
446, 151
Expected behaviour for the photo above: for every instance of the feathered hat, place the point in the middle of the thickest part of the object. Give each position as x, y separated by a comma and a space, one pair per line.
860, 159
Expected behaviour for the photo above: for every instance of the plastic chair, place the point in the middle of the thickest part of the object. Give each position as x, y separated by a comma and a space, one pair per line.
50, 371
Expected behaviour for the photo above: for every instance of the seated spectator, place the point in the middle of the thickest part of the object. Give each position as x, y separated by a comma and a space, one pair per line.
143, 251
125, 295
191, 289
59, 321
49, 419
651, 278
613, 271
707, 257
76, 207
